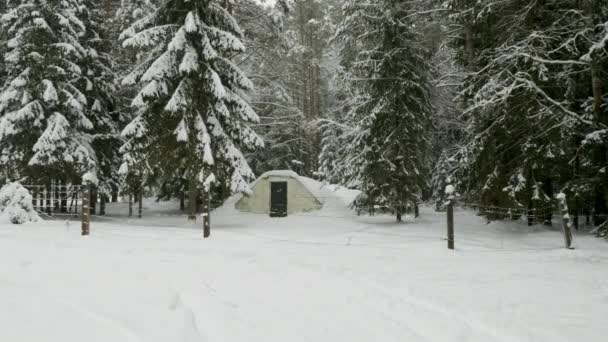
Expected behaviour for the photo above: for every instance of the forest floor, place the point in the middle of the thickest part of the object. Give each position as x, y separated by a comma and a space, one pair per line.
325, 276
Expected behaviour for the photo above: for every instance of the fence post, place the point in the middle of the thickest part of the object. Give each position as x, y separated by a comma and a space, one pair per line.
450, 192
451, 225
563, 207
86, 209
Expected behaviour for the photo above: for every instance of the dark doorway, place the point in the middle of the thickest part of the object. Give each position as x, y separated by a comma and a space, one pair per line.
278, 199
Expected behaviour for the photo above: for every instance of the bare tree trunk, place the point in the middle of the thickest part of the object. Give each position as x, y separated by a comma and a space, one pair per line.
192, 196
469, 44
102, 205
596, 82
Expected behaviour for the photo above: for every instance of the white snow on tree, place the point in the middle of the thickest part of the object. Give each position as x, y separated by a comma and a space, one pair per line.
193, 114
44, 123
388, 148
16, 204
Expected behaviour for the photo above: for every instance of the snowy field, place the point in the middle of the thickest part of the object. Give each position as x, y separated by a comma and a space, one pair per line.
328, 276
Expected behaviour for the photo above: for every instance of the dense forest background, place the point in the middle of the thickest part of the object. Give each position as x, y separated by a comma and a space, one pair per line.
505, 100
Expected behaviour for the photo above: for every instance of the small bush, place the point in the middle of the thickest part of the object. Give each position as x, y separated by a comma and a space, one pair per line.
16, 203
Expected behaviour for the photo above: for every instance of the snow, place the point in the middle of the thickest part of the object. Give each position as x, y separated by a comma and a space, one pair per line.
449, 189
309, 277
16, 204
90, 178
50, 93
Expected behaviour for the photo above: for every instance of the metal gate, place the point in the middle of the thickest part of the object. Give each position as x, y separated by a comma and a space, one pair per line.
56, 199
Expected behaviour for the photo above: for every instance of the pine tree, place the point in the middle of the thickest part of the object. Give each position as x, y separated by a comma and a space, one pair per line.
44, 127
526, 96
390, 151
193, 113
98, 82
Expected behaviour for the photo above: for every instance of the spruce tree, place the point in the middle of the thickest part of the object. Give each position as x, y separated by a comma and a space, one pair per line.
390, 151
193, 113
527, 97
98, 82
44, 126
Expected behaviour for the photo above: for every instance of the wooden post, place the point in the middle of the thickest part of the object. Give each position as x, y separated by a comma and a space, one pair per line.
450, 225
563, 206
86, 209
416, 210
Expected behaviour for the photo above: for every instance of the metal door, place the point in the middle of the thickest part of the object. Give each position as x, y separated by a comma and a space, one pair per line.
278, 199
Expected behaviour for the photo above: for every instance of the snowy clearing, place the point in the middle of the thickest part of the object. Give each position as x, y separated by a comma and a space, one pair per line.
317, 277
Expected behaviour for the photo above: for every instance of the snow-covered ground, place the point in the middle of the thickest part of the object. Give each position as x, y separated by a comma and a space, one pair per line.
326, 276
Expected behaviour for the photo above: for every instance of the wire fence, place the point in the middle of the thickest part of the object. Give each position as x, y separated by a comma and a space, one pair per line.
65, 202
56, 199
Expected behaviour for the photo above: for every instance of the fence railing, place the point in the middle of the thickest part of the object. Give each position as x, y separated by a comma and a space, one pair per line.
56, 199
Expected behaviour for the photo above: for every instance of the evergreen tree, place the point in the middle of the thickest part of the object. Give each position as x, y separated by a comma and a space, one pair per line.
526, 96
192, 110
390, 149
44, 124
98, 82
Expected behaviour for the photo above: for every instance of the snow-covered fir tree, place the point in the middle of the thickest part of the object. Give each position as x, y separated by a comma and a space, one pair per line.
193, 113
44, 124
390, 150
527, 100
98, 82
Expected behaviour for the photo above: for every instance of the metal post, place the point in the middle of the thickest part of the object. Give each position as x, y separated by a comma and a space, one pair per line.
86, 209
450, 225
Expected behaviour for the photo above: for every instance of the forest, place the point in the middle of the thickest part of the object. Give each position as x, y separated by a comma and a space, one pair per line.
505, 101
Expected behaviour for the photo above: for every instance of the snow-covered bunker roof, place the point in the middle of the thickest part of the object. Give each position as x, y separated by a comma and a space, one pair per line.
303, 194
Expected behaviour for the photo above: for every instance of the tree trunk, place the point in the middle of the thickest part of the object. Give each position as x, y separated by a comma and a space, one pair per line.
140, 204
596, 82
130, 205
192, 196
182, 201
102, 205
469, 45
93, 203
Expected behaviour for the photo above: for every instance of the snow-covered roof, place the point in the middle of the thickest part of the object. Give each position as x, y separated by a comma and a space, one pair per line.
313, 186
